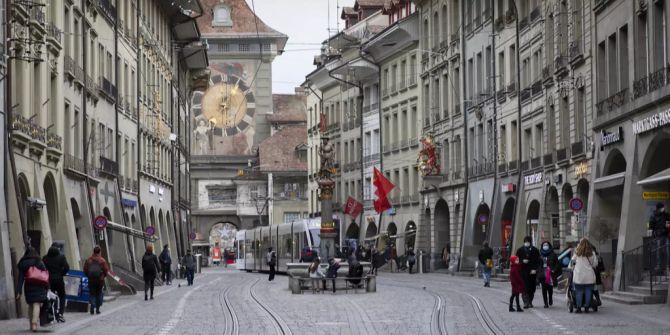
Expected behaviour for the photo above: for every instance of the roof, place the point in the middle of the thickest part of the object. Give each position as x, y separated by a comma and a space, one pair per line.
243, 19
347, 11
288, 108
369, 3
278, 152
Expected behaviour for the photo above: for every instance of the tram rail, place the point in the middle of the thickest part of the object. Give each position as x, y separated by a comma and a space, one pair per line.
279, 323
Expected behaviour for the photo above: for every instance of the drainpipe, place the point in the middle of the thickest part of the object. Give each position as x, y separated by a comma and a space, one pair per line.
464, 112
138, 81
518, 117
495, 125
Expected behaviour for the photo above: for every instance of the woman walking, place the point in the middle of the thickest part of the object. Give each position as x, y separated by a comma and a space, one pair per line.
548, 274
583, 275
58, 267
34, 291
150, 268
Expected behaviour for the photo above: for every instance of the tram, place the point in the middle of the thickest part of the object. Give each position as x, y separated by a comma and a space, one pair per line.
288, 240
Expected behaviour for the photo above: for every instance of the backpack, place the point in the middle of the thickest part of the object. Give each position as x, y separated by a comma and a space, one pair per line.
94, 270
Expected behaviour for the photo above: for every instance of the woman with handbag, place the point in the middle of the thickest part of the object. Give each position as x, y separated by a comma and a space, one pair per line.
548, 273
33, 273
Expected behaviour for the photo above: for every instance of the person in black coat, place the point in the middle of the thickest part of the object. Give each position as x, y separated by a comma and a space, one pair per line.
150, 268
58, 267
411, 258
485, 259
35, 294
550, 265
529, 258
166, 265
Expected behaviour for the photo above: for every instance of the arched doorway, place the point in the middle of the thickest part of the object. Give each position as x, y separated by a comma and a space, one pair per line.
371, 230
392, 232
441, 224
143, 217
161, 228
33, 227
58, 232
553, 215
352, 236
506, 226
170, 230
222, 236
410, 235
153, 222
82, 230
481, 224
570, 223
604, 225
137, 242
108, 232
533, 220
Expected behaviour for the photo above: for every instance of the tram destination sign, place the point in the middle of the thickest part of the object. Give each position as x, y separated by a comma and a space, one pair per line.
652, 122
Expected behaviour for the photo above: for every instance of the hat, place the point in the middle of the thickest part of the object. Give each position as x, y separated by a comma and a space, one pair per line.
659, 205
513, 259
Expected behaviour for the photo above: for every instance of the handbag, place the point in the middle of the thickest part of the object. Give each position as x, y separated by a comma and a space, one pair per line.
37, 276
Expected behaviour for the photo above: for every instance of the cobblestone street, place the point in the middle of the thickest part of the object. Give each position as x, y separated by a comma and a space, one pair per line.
225, 301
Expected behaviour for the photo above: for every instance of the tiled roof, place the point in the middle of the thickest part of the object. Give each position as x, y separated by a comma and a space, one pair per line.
369, 3
288, 108
278, 152
348, 11
242, 17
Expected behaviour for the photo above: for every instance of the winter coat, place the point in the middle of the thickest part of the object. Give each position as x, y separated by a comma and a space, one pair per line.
188, 261
318, 272
583, 272
165, 258
484, 254
516, 280
657, 223
332, 270
532, 255
56, 265
33, 293
103, 265
150, 266
599, 269
549, 260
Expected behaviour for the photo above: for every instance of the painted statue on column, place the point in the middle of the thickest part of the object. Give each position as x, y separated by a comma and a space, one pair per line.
427, 161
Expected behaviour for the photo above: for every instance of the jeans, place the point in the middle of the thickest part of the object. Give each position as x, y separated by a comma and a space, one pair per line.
486, 274
189, 276
662, 252
167, 274
584, 293
95, 295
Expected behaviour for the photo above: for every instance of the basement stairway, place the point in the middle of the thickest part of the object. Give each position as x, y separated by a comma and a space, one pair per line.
643, 292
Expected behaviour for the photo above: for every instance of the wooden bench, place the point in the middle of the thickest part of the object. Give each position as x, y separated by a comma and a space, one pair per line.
299, 284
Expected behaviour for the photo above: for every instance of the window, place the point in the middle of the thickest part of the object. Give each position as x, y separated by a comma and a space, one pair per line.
222, 16
219, 195
244, 47
267, 47
290, 217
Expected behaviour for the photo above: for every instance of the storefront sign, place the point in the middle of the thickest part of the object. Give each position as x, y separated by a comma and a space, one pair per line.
533, 179
607, 138
581, 169
509, 188
655, 195
128, 203
660, 119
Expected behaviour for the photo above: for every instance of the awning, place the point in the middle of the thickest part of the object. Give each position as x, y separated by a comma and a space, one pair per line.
195, 56
130, 231
360, 68
186, 31
610, 181
660, 177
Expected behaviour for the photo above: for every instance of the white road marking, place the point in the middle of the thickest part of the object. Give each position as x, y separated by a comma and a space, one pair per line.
176, 316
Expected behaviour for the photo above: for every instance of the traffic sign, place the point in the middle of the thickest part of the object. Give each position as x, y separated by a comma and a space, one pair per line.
483, 218
576, 204
100, 222
192, 236
150, 231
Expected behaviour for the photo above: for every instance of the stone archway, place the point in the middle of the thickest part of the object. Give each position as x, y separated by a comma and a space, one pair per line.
441, 224
153, 222
223, 234
137, 242
410, 235
656, 158
481, 225
109, 234
567, 220
533, 220
371, 230
552, 213
171, 239
82, 230
163, 235
353, 231
143, 217
615, 163
506, 229
58, 232
392, 231
604, 225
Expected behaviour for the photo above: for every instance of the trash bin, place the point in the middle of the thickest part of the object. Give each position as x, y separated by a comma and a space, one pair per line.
424, 262
198, 265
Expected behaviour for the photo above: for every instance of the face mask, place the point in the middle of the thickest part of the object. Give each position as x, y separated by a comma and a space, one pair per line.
526, 244
545, 247
662, 210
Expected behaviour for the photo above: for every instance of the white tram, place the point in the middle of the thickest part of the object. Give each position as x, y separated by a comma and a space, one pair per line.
288, 240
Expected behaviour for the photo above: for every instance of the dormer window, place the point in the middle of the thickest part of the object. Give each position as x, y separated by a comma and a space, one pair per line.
222, 16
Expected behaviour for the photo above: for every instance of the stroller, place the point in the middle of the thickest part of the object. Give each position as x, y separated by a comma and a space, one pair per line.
572, 296
49, 309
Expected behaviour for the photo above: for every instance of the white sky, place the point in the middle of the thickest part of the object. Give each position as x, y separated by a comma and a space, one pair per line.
305, 22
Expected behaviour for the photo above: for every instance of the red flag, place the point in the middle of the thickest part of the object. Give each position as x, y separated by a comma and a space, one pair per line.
353, 207
384, 187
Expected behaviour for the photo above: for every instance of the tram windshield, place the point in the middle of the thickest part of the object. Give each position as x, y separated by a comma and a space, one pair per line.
315, 234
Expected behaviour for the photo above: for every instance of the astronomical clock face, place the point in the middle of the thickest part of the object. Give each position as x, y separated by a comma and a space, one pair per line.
228, 105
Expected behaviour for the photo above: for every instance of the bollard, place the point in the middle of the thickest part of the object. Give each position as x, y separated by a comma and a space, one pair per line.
420, 261
372, 284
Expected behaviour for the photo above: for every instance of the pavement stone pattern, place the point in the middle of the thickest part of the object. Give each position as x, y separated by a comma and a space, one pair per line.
403, 304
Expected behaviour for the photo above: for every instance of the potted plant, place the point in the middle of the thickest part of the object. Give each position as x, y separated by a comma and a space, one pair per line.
607, 280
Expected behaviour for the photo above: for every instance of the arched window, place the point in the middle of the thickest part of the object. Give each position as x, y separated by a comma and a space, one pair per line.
222, 16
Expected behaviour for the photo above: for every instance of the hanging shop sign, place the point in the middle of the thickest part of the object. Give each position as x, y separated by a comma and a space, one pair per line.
655, 195
581, 169
509, 188
657, 120
609, 138
533, 179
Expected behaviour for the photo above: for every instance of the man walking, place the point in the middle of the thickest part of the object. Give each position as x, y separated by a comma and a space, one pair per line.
188, 262
530, 261
660, 225
166, 265
96, 269
58, 267
272, 262
486, 263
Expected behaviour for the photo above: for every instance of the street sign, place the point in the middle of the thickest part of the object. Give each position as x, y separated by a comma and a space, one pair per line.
192, 236
576, 204
100, 222
483, 219
150, 231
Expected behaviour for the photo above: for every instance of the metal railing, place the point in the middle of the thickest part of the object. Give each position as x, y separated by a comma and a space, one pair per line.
548, 159
561, 155
54, 141
577, 148
54, 32
535, 14
536, 162
575, 49
37, 14
650, 259
614, 101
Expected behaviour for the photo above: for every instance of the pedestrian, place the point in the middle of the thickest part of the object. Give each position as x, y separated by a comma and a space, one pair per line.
486, 263
659, 223
599, 269
315, 274
394, 257
271, 259
189, 264
150, 266
374, 258
517, 283
33, 273
548, 273
331, 272
96, 269
58, 267
166, 265
411, 259
583, 275
530, 261
446, 255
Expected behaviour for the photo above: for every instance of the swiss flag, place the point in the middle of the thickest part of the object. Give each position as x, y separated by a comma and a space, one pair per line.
383, 188
353, 207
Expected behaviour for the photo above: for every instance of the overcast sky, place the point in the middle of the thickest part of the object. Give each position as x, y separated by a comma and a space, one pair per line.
306, 24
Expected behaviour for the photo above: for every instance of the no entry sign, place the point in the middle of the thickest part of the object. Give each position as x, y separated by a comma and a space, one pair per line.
100, 222
150, 231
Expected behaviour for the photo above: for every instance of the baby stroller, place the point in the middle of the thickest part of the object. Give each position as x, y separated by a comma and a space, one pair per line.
572, 296
49, 309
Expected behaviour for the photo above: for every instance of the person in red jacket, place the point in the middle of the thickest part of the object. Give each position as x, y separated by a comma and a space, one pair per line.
517, 283
96, 269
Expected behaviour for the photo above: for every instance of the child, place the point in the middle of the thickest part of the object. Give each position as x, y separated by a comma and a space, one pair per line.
315, 273
517, 283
